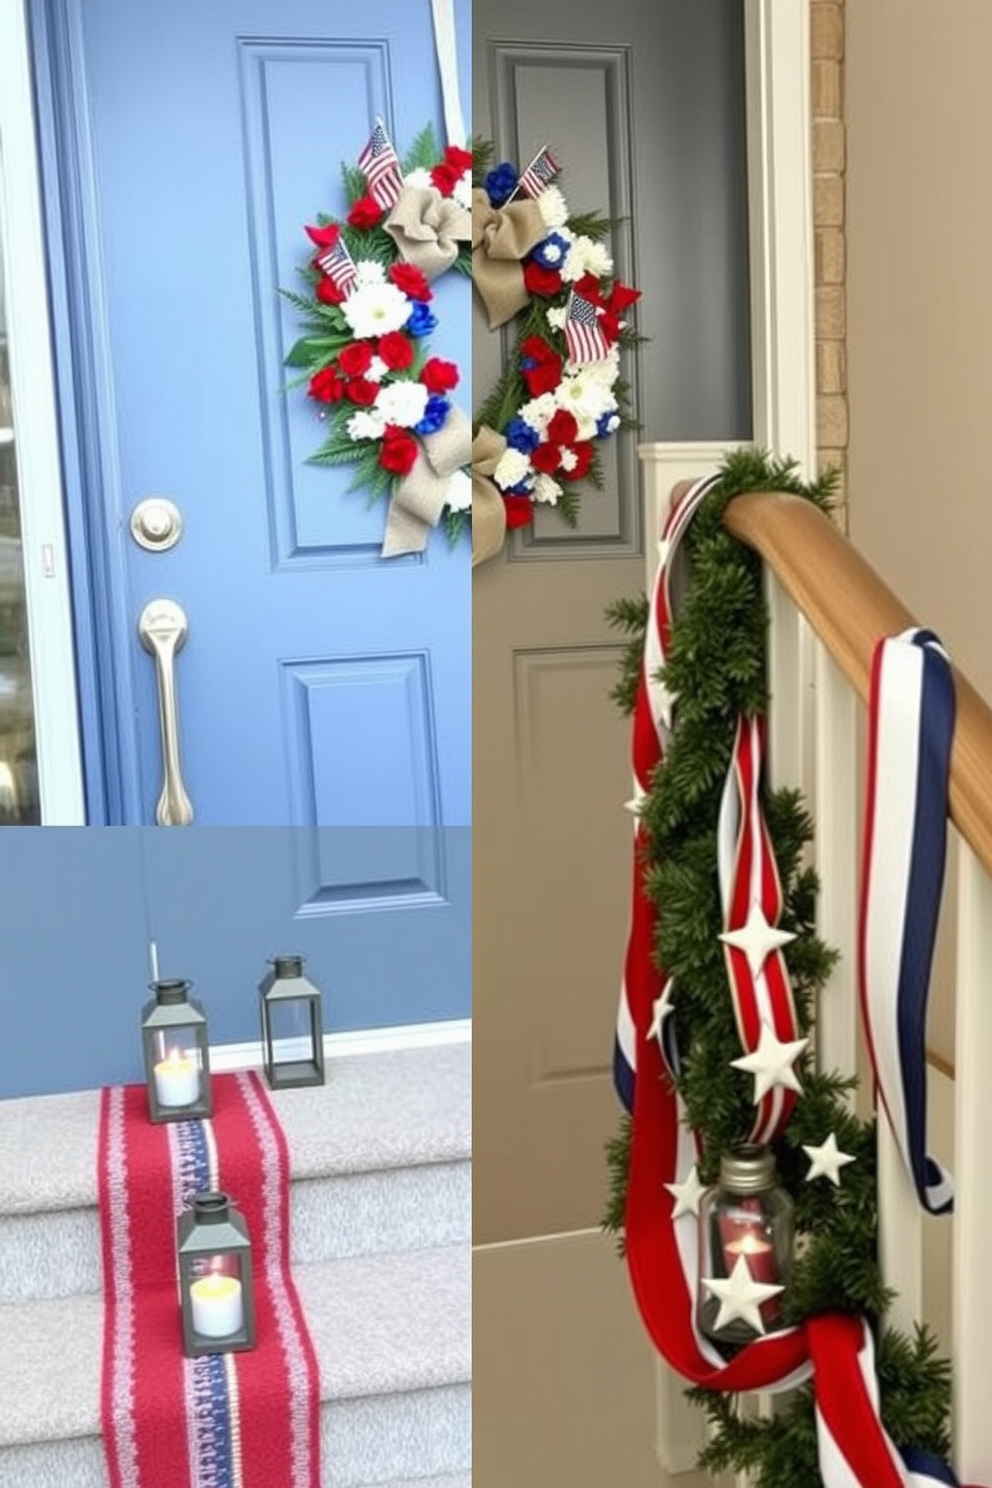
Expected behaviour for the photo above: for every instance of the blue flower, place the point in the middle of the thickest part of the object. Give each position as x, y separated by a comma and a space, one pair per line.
501, 182
421, 321
435, 414
520, 436
608, 424
552, 252
527, 363
524, 487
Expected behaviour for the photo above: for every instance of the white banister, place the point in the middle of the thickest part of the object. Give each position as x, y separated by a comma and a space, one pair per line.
972, 1292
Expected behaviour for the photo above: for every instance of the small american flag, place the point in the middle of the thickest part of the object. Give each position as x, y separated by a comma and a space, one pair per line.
539, 174
380, 166
586, 342
338, 264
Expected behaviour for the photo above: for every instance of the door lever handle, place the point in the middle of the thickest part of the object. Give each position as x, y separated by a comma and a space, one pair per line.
163, 628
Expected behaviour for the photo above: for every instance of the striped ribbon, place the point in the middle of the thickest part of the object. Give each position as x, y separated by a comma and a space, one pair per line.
661, 1231
911, 725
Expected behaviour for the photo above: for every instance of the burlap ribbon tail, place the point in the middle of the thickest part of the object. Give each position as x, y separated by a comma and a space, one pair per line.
420, 497
488, 511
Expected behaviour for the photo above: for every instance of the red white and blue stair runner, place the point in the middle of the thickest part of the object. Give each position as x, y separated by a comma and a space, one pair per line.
836, 1351
237, 1420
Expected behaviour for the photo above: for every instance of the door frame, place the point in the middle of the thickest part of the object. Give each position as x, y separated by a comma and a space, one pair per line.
40, 475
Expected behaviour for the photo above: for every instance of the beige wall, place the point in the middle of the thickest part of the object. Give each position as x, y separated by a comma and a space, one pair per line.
918, 91
830, 247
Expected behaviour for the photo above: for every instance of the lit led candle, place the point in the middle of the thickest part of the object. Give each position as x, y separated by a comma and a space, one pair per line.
759, 1253
217, 1306
177, 1080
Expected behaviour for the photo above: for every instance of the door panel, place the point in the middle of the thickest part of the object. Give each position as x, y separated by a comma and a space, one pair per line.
319, 684
644, 109
382, 916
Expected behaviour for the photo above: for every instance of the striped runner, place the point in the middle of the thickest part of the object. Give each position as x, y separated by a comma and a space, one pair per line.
241, 1420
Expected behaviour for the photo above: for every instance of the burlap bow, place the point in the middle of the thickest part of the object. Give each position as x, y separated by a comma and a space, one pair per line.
420, 497
488, 511
427, 228
501, 237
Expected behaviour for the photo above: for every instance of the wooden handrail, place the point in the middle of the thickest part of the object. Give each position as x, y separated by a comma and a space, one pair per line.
849, 608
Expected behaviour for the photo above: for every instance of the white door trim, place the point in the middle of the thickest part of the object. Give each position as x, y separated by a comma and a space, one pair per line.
225, 1057
46, 562
780, 208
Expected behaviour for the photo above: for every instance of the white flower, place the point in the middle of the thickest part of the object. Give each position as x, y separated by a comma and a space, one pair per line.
568, 459
546, 490
512, 468
539, 412
366, 424
553, 208
459, 494
418, 178
586, 426
584, 396
375, 308
557, 316
377, 369
402, 403
612, 424
586, 257
462, 193
370, 272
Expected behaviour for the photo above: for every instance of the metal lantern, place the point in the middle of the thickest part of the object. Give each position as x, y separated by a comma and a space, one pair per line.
746, 1239
292, 1028
177, 1054
215, 1281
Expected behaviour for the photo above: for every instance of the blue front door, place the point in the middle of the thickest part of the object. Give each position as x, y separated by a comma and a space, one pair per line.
382, 916
186, 147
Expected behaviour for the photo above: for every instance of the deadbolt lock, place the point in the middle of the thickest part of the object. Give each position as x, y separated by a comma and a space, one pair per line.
156, 524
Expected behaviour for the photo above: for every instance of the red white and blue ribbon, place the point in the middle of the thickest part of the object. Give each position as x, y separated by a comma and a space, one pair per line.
661, 1236
911, 726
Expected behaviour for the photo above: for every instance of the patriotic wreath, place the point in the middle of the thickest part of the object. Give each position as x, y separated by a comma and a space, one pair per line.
561, 392
364, 357
865, 1405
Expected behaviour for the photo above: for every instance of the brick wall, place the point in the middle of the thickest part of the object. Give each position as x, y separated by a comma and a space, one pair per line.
827, 92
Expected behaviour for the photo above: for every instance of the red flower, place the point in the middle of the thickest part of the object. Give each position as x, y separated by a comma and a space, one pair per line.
545, 458
411, 281
459, 159
519, 511
327, 292
362, 392
439, 376
563, 427
327, 386
324, 237
365, 212
540, 366
620, 298
396, 351
583, 454
355, 359
399, 450
541, 281
445, 178
588, 288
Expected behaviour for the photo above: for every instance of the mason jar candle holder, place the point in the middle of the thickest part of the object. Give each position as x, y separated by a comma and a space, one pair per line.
292, 1026
215, 1277
746, 1246
176, 1054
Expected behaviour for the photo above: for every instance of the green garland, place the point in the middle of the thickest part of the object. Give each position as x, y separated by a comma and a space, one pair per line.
716, 668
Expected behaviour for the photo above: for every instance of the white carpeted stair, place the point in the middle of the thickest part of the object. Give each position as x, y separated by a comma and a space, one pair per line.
381, 1230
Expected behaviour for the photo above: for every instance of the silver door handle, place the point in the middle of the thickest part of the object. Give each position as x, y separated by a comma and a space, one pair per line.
163, 628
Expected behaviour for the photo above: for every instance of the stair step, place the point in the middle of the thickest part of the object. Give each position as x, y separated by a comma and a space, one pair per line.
380, 1161
458, 1480
393, 1340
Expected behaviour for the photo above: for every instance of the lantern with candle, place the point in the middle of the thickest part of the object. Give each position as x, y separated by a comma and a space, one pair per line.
292, 1026
177, 1054
746, 1239
215, 1280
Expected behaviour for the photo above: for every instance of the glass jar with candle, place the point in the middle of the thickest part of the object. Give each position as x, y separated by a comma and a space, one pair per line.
746, 1240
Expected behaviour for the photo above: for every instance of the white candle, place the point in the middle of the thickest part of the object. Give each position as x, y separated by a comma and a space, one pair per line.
218, 1308
177, 1080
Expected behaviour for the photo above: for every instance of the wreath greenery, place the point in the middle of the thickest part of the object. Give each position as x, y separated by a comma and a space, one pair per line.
363, 355
552, 412
716, 667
